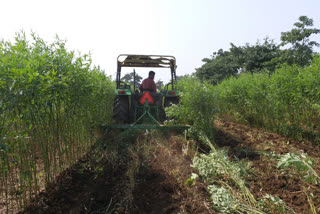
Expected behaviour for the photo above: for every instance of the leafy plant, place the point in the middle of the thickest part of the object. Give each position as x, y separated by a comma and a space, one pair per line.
197, 106
285, 102
222, 199
302, 164
51, 102
273, 204
192, 180
216, 167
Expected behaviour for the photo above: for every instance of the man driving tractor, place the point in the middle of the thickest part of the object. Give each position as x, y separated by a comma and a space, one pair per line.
148, 84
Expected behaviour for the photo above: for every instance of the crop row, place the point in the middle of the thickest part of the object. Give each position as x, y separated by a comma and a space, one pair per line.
51, 102
286, 102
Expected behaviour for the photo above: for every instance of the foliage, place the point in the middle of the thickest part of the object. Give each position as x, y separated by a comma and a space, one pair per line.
215, 168
226, 170
300, 52
258, 57
192, 180
159, 84
261, 56
272, 204
196, 106
302, 164
221, 65
51, 102
248, 58
227, 174
128, 78
222, 199
286, 102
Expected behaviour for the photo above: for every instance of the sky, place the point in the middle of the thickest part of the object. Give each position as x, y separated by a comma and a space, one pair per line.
190, 30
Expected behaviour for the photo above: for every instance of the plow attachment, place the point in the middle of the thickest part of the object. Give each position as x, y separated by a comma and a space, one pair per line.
147, 122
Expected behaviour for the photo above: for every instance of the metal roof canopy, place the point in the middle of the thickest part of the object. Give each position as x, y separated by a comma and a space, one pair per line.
154, 61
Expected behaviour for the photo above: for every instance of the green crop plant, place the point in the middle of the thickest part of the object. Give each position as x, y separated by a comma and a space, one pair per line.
222, 199
51, 102
222, 175
271, 204
286, 101
302, 164
224, 170
197, 106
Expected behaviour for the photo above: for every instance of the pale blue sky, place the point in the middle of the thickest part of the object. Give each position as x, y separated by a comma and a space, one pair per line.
188, 29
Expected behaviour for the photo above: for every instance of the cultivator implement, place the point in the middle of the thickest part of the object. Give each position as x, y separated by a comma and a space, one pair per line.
147, 121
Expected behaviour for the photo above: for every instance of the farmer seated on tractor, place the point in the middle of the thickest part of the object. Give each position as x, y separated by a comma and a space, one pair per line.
148, 83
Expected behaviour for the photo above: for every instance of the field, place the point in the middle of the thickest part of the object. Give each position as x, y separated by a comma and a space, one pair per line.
134, 172
253, 146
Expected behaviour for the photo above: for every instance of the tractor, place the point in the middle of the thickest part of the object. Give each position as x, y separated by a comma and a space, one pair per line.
143, 109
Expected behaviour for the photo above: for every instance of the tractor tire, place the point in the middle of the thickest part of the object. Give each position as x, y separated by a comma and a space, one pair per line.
121, 110
162, 114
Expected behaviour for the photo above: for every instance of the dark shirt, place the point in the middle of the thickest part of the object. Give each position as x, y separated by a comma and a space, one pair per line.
148, 84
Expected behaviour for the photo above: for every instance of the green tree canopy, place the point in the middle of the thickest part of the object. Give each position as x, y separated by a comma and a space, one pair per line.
248, 58
301, 50
128, 78
262, 56
159, 84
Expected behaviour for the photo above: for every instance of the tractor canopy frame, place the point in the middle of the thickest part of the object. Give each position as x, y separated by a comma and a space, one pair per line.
145, 61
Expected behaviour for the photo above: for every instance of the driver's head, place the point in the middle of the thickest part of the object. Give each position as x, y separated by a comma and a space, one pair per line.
151, 74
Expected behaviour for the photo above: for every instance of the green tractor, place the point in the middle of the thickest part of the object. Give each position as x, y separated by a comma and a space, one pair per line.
143, 109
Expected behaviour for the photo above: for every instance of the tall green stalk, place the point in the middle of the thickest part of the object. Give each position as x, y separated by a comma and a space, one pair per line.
51, 102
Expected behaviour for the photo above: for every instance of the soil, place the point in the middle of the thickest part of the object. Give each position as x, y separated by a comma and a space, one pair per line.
255, 146
147, 173
143, 175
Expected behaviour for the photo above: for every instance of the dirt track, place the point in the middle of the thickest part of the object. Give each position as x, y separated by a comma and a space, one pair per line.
131, 173
138, 173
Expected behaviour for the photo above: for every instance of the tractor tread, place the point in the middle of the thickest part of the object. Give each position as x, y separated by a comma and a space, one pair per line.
121, 110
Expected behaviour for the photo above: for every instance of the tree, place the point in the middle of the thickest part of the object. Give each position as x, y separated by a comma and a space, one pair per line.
159, 84
221, 65
261, 56
248, 58
258, 57
128, 78
301, 50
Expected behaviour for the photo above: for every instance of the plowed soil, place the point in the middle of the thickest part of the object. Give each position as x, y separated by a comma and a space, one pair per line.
147, 173
132, 173
256, 145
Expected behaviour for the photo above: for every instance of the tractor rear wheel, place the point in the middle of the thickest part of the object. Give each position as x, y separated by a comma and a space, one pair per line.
121, 110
